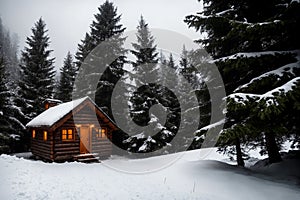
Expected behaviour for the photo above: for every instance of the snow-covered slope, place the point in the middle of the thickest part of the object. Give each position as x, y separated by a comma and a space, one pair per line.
188, 178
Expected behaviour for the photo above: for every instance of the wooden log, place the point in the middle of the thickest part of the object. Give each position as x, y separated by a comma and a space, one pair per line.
63, 158
66, 149
41, 148
67, 144
42, 154
60, 153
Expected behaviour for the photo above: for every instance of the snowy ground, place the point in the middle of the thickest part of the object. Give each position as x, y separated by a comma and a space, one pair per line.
189, 177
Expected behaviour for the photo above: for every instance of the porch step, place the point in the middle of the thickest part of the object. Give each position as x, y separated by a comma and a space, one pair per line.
87, 158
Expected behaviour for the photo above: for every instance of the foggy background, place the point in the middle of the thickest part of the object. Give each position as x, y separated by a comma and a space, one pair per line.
69, 20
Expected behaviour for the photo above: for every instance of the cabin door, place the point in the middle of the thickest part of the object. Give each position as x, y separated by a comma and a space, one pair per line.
85, 142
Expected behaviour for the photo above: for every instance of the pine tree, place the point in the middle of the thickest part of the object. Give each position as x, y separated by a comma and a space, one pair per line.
37, 73
146, 58
171, 62
147, 95
15, 130
144, 49
4, 120
67, 78
253, 81
83, 50
105, 28
194, 67
8, 51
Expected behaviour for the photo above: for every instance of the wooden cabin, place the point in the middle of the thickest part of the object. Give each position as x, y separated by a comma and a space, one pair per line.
70, 130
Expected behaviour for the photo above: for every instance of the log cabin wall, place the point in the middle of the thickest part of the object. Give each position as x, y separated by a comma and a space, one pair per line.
66, 149
101, 145
40, 147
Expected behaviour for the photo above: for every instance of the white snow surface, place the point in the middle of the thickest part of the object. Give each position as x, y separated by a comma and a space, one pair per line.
193, 176
53, 114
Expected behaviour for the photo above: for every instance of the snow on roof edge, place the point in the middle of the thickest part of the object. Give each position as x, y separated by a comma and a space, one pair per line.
53, 114
49, 117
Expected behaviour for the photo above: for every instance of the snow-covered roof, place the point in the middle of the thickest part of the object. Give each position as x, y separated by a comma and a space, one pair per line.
53, 114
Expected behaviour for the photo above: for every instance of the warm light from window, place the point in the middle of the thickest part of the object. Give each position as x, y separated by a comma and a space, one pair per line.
67, 134
33, 133
103, 132
45, 135
70, 134
46, 106
64, 134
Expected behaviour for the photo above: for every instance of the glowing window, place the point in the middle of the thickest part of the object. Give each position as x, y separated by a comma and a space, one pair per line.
33, 133
102, 133
70, 134
64, 134
67, 134
45, 135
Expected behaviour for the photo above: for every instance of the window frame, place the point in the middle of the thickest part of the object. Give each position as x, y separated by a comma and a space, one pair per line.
100, 134
67, 134
45, 135
33, 134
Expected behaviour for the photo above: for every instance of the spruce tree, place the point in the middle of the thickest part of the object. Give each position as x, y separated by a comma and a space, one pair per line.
146, 57
106, 27
8, 51
67, 78
4, 117
144, 49
83, 50
255, 48
171, 62
37, 73
146, 95
15, 130
193, 66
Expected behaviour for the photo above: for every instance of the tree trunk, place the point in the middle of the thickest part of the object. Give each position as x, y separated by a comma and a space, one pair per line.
272, 148
239, 154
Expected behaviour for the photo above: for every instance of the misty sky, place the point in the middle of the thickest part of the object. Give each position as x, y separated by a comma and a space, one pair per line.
68, 20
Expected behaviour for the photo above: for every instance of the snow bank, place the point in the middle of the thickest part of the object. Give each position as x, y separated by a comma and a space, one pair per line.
287, 170
190, 177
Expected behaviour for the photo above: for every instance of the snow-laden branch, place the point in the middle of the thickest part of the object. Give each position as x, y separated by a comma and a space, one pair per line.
212, 125
269, 97
206, 128
254, 54
289, 68
224, 12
